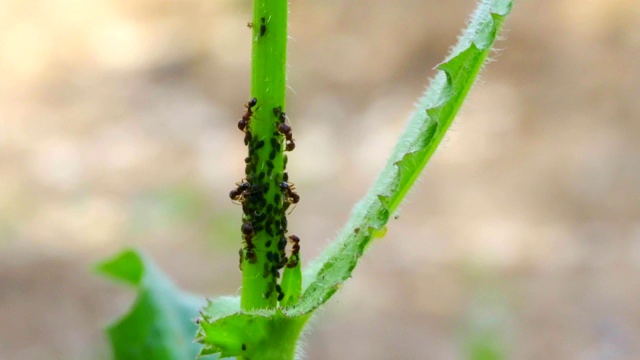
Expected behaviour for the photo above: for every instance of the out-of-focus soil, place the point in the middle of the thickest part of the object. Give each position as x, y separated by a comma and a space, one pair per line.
117, 128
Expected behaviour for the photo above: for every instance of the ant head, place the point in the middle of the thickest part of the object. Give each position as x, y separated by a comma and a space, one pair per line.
244, 186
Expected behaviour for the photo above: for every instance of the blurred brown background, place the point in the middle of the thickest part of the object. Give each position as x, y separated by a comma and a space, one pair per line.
118, 128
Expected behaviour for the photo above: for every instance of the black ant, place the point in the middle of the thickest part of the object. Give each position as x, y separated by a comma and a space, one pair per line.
290, 145
244, 122
295, 251
290, 195
251, 249
247, 230
285, 129
238, 193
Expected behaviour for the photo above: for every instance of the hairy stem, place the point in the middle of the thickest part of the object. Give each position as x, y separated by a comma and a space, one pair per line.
263, 206
435, 112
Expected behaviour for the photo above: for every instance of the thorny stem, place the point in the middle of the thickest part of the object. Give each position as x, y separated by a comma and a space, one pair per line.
265, 201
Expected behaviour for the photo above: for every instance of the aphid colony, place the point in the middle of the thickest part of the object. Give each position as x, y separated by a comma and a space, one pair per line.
265, 197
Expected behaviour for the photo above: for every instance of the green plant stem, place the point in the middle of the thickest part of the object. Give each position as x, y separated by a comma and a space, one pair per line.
264, 208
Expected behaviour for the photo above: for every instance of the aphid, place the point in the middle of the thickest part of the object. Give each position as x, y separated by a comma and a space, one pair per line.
241, 253
263, 26
249, 24
247, 138
282, 243
282, 262
260, 217
267, 270
356, 230
269, 291
280, 293
244, 121
244, 347
285, 177
276, 111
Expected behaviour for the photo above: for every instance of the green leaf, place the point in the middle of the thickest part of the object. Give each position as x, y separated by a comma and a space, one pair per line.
160, 325
291, 284
425, 130
257, 335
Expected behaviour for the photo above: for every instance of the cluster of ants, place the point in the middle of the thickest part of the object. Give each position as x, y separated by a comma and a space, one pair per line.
283, 128
258, 214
